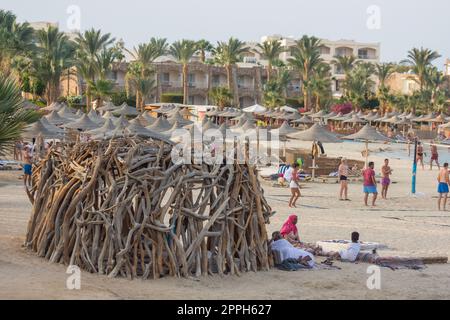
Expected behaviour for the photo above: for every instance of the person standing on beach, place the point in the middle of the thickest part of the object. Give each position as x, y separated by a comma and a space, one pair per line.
27, 164
420, 154
386, 172
343, 178
370, 184
291, 175
443, 182
434, 157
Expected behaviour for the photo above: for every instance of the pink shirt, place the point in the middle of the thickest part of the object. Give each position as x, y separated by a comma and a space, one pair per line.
369, 174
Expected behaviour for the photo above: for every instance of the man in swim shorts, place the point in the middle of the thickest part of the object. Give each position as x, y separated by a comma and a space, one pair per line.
443, 182
370, 184
386, 172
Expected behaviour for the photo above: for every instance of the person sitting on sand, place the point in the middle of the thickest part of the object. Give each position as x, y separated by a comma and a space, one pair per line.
351, 253
288, 251
386, 172
370, 184
289, 231
443, 182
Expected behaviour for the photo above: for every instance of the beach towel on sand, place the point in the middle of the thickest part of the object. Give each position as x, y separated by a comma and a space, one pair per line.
393, 263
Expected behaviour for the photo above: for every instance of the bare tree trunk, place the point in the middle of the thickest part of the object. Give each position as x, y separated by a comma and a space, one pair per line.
185, 85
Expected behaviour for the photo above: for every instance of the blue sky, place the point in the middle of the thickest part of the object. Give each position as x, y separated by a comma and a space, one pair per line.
403, 24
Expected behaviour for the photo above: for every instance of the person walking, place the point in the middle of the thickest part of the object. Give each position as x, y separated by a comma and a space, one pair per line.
343, 178
386, 172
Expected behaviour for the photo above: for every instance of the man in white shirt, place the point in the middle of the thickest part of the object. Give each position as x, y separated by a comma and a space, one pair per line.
351, 253
287, 251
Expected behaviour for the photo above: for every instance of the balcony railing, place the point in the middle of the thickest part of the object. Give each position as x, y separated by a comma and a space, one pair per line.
366, 56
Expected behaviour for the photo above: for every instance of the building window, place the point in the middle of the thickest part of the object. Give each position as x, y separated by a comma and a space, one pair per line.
165, 78
191, 79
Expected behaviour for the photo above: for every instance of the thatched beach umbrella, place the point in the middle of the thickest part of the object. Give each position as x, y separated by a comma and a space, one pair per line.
67, 112
38, 129
316, 133
318, 115
108, 106
151, 120
121, 122
83, 124
94, 116
160, 125
55, 106
304, 120
56, 119
126, 110
107, 127
178, 117
50, 126
355, 119
255, 109
367, 134
108, 115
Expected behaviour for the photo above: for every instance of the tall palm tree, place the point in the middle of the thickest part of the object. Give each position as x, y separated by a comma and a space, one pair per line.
383, 72
270, 51
345, 63
183, 51
204, 46
420, 60
144, 56
320, 84
359, 84
89, 45
228, 54
16, 39
12, 116
305, 58
54, 56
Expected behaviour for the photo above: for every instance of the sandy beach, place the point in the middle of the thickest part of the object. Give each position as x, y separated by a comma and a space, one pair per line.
408, 226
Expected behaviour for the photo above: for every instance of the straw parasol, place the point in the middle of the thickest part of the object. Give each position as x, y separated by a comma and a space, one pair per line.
39, 129
143, 120
186, 113
94, 116
50, 126
316, 133
83, 124
108, 115
176, 126
178, 117
240, 123
108, 106
439, 119
107, 127
209, 125
367, 133
160, 125
288, 109
151, 120
255, 109
319, 114
304, 120
55, 106
67, 112
121, 122
126, 110
56, 119
355, 119
165, 109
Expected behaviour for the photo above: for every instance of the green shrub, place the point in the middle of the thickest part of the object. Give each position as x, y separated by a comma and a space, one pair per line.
294, 103
118, 98
172, 98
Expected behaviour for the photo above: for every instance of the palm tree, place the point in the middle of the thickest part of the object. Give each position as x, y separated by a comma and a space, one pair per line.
101, 89
383, 71
145, 55
345, 63
204, 46
16, 39
12, 116
142, 84
183, 51
305, 58
420, 60
54, 55
359, 84
320, 84
89, 45
270, 51
221, 97
228, 54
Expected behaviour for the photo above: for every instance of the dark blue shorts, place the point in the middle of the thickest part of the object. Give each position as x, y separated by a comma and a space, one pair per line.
27, 169
442, 188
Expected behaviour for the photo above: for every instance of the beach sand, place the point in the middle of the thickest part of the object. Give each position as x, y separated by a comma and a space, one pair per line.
409, 226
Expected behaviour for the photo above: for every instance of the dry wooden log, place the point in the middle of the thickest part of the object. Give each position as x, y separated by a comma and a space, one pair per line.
122, 208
